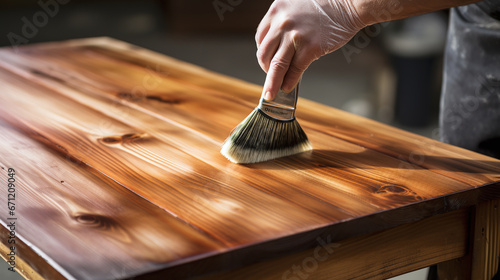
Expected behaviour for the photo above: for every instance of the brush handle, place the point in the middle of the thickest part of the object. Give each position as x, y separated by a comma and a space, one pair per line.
283, 106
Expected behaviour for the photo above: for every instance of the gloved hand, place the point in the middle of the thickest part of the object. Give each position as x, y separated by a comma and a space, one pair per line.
294, 33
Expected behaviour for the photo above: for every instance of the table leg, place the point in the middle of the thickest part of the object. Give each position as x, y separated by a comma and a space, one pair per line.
482, 262
486, 242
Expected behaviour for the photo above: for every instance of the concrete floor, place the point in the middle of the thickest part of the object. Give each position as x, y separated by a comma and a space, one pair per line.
365, 85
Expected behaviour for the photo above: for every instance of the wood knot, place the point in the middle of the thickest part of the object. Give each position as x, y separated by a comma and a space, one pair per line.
130, 137
111, 140
95, 221
164, 99
117, 139
392, 189
129, 96
398, 190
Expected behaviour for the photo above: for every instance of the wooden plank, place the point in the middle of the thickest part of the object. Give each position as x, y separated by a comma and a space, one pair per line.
106, 231
322, 158
404, 145
221, 117
417, 150
209, 99
376, 256
154, 125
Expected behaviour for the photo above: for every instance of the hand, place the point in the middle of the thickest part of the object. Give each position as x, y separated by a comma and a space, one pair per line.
294, 33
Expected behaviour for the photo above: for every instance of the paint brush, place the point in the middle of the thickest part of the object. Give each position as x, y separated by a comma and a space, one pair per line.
269, 132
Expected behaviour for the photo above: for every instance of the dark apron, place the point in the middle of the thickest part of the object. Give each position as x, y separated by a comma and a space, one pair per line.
470, 101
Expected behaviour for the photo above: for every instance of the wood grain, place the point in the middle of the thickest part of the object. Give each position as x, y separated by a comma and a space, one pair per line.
138, 135
64, 203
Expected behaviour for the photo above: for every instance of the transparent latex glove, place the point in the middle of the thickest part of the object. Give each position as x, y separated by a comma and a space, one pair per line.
294, 33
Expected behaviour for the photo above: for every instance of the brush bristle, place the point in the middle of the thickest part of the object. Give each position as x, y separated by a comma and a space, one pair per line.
260, 138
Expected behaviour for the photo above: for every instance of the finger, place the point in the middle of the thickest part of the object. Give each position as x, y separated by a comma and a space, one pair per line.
277, 69
300, 62
264, 25
262, 30
268, 48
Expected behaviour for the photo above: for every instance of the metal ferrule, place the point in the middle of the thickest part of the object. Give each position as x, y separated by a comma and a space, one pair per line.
282, 107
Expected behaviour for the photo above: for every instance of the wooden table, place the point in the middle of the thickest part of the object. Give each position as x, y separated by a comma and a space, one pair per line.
113, 152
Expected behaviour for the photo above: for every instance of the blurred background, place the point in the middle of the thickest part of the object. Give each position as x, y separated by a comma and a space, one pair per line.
389, 72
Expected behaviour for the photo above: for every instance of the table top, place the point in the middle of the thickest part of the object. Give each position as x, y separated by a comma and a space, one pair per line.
115, 154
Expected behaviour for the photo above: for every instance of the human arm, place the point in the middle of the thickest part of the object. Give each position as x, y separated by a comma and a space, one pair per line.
294, 33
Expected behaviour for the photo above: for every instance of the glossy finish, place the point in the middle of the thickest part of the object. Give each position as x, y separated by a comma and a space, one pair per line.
116, 150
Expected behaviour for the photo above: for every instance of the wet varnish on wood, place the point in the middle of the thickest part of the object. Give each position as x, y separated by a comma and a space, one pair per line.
119, 175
